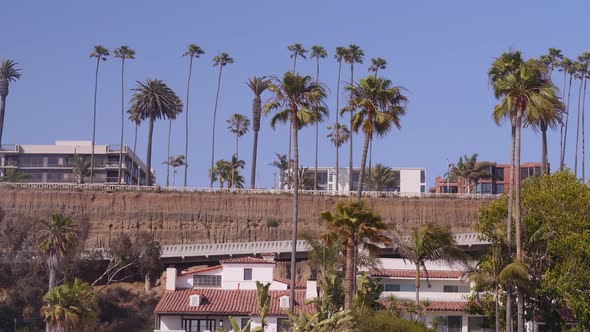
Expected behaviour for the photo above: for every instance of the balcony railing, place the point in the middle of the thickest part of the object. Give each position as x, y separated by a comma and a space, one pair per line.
9, 163
9, 147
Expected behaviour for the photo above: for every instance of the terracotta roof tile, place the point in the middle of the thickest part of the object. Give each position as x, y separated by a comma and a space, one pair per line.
205, 269
446, 306
433, 274
246, 260
227, 302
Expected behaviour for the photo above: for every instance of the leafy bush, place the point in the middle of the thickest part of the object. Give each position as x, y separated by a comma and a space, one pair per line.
385, 321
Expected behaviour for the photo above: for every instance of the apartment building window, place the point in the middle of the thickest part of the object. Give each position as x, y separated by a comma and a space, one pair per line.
247, 274
499, 188
499, 173
484, 188
392, 288
480, 324
206, 281
422, 176
455, 289
450, 324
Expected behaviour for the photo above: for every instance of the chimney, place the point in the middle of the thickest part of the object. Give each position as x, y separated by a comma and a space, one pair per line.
311, 290
269, 256
171, 278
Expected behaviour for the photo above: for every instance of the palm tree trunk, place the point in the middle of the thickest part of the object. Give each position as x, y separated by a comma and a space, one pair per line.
289, 163
518, 235
253, 173
364, 160
338, 116
578, 129
122, 119
174, 177
544, 148
94, 122
509, 219
135, 152
147, 285
417, 284
214, 118
233, 170
168, 153
295, 206
52, 264
349, 276
497, 303
2, 111
351, 135
148, 158
567, 117
561, 136
370, 182
584, 134
188, 87
256, 109
315, 173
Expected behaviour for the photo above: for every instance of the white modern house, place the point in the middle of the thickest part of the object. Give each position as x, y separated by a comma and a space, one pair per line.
203, 299
446, 291
408, 179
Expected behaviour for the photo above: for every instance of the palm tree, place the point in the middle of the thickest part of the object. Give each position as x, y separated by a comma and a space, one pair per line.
258, 85
238, 125
14, 176
429, 242
297, 50
100, 53
354, 54
339, 56
220, 172
381, 107
174, 162
70, 307
338, 135
193, 51
8, 73
81, 168
529, 92
317, 52
123, 52
357, 223
376, 65
296, 99
567, 67
137, 121
282, 164
221, 60
581, 69
470, 170
58, 237
263, 302
154, 100
383, 177
305, 179
235, 180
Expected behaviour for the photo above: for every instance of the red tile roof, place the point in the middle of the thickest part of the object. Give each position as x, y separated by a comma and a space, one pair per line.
433, 274
298, 285
227, 302
246, 260
205, 269
446, 306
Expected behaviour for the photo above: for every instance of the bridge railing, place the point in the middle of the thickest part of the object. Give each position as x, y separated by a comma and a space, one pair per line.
156, 188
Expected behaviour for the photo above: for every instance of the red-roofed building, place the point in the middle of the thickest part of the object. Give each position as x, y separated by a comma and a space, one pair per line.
203, 299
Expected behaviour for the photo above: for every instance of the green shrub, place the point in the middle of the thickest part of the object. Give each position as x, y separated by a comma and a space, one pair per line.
386, 321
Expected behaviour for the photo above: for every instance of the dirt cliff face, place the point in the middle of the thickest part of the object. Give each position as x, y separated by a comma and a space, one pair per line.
176, 218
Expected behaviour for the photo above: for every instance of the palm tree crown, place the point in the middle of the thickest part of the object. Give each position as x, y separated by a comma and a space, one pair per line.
58, 237
238, 124
8, 73
339, 134
376, 65
318, 52
124, 52
99, 52
193, 51
222, 60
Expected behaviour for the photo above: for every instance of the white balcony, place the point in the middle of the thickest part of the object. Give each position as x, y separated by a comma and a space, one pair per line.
426, 295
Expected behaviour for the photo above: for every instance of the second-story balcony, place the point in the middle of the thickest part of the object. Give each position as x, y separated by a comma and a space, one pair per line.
9, 148
426, 295
9, 164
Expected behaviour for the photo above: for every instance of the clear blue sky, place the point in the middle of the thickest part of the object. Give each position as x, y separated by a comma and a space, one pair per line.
438, 50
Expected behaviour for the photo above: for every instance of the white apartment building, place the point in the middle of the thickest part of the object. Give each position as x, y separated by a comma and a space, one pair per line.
203, 300
408, 179
55, 163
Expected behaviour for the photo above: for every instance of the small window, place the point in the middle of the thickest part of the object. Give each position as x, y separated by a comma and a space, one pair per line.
247, 274
244, 322
451, 289
392, 288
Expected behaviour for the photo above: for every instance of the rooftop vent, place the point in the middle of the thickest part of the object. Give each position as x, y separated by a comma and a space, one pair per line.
284, 302
196, 300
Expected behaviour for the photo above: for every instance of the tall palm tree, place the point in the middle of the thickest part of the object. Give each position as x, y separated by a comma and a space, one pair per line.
137, 121
567, 67
470, 170
123, 52
354, 54
297, 50
100, 53
238, 125
318, 52
338, 135
357, 223
527, 91
193, 51
70, 307
428, 243
153, 100
174, 162
220, 172
8, 73
381, 106
383, 177
339, 56
282, 164
221, 60
376, 65
235, 180
581, 69
58, 237
296, 99
258, 85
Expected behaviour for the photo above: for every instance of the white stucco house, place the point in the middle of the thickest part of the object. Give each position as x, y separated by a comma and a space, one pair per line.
446, 291
204, 299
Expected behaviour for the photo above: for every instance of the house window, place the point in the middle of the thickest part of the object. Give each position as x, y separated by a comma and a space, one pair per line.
450, 324
480, 324
283, 324
392, 288
244, 322
455, 289
206, 281
247, 274
499, 174
198, 325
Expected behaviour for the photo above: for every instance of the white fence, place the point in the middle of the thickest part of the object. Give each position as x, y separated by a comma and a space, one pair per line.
116, 187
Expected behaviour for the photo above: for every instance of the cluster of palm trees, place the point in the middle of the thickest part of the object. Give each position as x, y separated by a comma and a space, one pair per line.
470, 171
526, 95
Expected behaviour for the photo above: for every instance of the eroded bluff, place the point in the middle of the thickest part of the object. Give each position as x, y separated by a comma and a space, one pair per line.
176, 218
